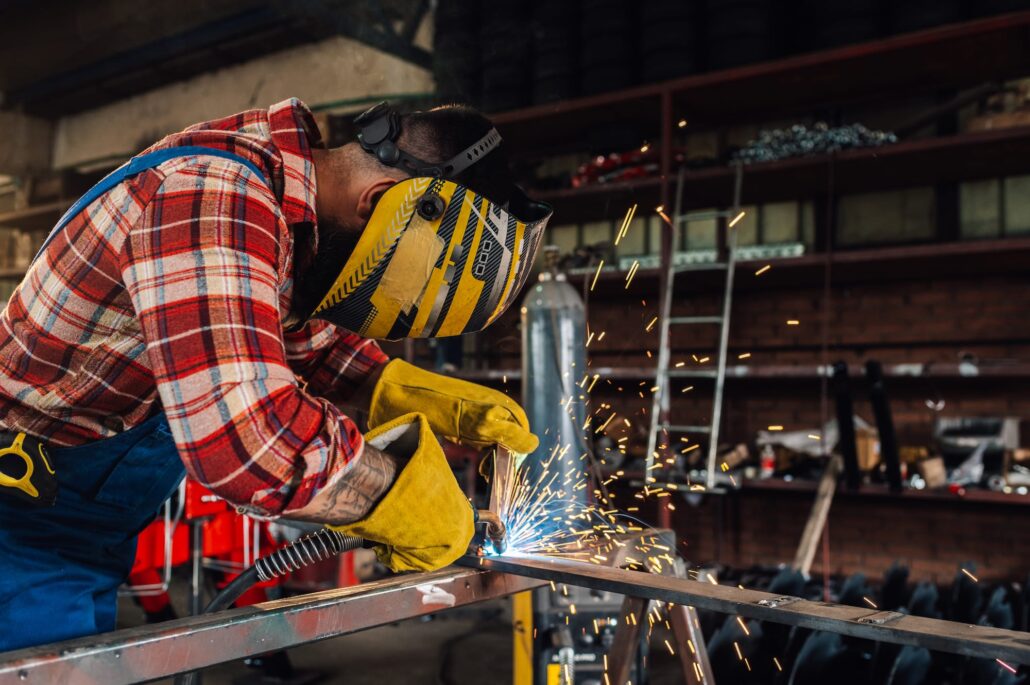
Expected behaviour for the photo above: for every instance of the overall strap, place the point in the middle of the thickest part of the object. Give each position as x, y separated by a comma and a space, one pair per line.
138, 165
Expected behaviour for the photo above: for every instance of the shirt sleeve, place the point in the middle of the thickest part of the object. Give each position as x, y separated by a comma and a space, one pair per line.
201, 266
333, 362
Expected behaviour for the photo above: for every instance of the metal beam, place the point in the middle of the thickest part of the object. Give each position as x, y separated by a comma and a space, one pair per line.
943, 636
165, 649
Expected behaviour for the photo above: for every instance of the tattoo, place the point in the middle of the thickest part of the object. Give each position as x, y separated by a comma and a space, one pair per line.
355, 494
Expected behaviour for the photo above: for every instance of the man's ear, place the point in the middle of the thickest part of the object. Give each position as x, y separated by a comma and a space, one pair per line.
370, 195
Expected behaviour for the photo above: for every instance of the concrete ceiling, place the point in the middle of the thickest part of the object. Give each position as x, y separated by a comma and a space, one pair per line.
63, 56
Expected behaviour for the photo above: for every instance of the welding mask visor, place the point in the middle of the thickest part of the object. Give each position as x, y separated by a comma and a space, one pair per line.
435, 259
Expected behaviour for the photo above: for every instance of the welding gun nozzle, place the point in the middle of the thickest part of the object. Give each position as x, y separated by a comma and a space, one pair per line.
495, 529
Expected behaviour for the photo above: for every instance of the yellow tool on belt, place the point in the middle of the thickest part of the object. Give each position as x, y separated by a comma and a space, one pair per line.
25, 470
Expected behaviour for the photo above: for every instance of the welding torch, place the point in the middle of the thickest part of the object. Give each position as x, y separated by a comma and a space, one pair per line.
495, 529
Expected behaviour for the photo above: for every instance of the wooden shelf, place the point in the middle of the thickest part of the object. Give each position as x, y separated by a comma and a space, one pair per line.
972, 495
969, 156
945, 57
40, 217
772, 372
901, 262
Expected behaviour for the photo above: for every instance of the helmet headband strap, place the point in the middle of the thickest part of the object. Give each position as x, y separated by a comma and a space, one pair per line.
380, 128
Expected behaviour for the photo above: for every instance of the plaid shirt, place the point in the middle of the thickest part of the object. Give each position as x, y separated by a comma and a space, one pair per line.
170, 292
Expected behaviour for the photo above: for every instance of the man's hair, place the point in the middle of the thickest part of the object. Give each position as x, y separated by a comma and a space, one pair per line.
437, 135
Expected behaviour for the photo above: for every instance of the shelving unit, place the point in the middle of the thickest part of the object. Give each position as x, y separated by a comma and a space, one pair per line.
969, 156
946, 57
959, 258
38, 218
773, 372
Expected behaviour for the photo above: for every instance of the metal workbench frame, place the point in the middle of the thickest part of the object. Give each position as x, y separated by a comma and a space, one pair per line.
156, 651
165, 649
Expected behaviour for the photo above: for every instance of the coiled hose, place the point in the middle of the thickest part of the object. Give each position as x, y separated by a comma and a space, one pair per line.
306, 551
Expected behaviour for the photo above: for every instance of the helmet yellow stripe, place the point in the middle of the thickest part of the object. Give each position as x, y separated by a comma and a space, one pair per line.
517, 260
436, 281
469, 288
371, 247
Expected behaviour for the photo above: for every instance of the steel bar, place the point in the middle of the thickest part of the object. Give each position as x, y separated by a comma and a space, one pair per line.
165, 649
944, 636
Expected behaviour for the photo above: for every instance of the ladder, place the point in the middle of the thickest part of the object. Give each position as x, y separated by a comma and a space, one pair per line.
661, 396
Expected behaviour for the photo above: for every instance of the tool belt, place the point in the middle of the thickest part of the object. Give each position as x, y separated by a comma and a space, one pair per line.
26, 471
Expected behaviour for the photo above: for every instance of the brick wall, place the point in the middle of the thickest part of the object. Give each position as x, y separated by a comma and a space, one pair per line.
866, 532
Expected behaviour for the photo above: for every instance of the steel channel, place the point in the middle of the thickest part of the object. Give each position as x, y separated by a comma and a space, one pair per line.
165, 649
944, 636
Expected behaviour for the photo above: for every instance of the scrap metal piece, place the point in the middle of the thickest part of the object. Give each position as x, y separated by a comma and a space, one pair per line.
778, 601
881, 617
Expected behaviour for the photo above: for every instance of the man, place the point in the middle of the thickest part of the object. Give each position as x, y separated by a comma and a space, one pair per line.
213, 305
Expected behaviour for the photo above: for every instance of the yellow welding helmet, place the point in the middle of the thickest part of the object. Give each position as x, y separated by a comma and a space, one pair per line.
435, 259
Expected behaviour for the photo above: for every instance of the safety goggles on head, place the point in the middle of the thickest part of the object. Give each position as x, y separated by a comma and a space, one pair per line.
436, 259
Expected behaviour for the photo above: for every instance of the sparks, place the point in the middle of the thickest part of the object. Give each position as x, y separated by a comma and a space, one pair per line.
632, 272
626, 221
763, 269
736, 219
975, 580
596, 274
793, 322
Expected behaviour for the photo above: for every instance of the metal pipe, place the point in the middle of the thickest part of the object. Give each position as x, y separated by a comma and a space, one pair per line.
883, 626
165, 649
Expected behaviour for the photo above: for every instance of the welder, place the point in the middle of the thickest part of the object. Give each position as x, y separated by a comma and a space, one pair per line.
212, 307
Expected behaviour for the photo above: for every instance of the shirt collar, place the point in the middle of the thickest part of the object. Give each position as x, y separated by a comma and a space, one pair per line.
294, 132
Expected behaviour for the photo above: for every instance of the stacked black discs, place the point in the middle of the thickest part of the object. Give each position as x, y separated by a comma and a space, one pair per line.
830, 24
608, 45
668, 38
740, 32
456, 64
504, 39
913, 15
555, 50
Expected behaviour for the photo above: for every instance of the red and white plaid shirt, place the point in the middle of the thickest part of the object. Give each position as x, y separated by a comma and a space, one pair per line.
170, 292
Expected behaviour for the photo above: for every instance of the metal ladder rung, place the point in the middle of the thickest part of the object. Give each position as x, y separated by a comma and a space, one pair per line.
695, 319
672, 373
674, 428
660, 403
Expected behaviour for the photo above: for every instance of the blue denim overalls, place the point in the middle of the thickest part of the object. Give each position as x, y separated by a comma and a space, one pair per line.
60, 567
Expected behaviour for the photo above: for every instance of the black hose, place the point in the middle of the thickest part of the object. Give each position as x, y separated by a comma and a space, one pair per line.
304, 552
231, 592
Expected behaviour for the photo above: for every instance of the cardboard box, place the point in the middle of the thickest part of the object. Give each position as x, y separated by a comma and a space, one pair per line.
867, 446
933, 472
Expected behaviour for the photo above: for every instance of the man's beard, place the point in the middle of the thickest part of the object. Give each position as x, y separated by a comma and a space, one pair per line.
336, 242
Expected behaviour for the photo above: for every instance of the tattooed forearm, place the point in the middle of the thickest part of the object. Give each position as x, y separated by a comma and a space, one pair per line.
355, 494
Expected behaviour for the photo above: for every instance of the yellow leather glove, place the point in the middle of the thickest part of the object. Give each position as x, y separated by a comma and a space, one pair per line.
466, 412
424, 521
